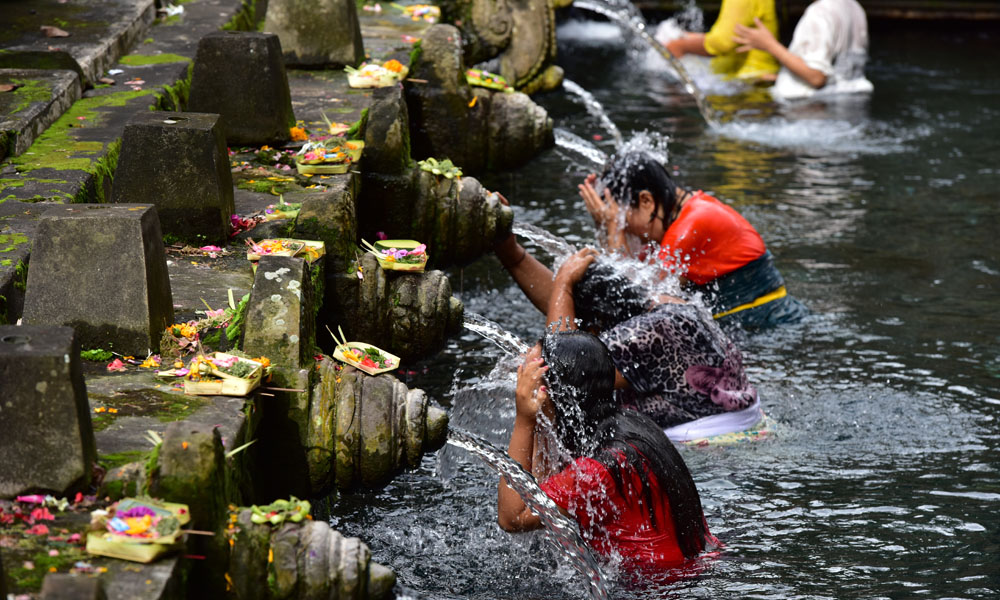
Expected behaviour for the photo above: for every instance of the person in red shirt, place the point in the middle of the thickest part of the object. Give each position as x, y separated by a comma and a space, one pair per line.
622, 480
710, 246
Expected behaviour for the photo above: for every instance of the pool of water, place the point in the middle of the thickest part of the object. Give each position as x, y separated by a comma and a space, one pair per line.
884, 478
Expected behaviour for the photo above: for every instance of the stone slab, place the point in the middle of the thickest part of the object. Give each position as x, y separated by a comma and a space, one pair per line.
323, 33
46, 439
29, 110
102, 270
281, 318
64, 586
241, 76
178, 162
100, 30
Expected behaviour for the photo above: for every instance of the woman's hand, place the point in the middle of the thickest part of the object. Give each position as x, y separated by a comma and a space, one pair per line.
575, 266
603, 210
758, 37
530, 395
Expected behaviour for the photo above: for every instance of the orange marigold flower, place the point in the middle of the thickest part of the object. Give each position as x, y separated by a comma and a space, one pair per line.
298, 134
393, 65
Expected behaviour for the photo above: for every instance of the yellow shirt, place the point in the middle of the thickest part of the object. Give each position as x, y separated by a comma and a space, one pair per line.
719, 41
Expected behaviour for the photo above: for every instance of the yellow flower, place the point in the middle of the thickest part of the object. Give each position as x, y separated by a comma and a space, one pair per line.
298, 134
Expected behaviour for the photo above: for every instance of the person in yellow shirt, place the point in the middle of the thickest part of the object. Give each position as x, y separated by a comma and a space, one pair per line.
755, 65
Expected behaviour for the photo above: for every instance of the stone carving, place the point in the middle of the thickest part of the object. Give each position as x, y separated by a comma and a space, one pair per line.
363, 429
302, 561
516, 38
407, 314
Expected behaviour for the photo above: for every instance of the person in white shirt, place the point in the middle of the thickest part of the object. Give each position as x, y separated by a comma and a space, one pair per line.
828, 51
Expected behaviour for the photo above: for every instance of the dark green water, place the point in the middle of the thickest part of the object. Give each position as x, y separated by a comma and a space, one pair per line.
884, 480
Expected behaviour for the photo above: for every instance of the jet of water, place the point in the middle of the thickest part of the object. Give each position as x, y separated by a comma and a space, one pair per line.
491, 330
551, 243
570, 141
638, 27
562, 530
595, 108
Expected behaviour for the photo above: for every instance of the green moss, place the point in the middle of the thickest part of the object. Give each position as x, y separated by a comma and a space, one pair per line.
10, 241
154, 59
118, 459
358, 127
175, 97
245, 18
6, 262
31, 91
31, 579
20, 276
147, 41
59, 149
163, 406
4, 317
415, 53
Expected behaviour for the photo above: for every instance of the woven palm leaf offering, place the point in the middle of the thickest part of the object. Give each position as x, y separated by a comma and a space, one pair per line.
326, 157
136, 529
480, 78
222, 374
399, 255
374, 75
310, 250
362, 356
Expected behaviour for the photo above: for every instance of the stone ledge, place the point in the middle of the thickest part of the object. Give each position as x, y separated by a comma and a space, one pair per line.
100, 30
29, 110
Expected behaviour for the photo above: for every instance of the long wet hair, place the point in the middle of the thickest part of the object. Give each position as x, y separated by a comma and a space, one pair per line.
626, 175
590, 423
604, 297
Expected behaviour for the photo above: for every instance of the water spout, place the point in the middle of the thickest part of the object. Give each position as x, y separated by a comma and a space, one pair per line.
491, 330
570, 141
594, 108
636, 25
549, 242
562, 530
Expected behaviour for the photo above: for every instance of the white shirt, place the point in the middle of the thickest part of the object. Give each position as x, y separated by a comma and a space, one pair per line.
832, 37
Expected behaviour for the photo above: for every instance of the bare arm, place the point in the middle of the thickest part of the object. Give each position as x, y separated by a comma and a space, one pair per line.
534, 278
691, 43
760, 38
512, 513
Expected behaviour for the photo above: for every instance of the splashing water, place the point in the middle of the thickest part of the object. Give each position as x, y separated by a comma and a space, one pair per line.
575, 143
491, 330
547, 241
595, 108
562, 531
638, 27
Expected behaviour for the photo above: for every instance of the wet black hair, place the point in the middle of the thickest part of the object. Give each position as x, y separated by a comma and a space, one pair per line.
604, 297
590, 422
626, 175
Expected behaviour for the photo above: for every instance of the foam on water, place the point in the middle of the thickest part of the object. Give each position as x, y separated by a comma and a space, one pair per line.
822, 135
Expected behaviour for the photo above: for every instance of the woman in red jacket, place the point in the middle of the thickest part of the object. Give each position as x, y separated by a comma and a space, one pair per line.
710, 246
622, 479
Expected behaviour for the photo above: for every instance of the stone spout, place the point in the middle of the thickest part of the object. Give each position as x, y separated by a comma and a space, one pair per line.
409, 315
302, 560
366, 429
458, 219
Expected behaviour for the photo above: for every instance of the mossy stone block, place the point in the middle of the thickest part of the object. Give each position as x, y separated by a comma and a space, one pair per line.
241, 76
281, 321
101, 269
65, 586
178, 162
317, 33
46, 436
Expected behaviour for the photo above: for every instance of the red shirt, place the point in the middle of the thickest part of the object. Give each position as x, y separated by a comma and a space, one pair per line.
708, 240
616, 522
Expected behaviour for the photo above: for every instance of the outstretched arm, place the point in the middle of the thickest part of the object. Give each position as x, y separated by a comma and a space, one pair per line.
689, 43
760, 38
534, 278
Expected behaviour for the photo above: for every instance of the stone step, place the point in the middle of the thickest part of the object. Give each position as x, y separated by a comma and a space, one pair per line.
41, 98
100, 31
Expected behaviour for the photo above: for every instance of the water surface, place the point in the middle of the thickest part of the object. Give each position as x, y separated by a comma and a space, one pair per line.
883, 215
